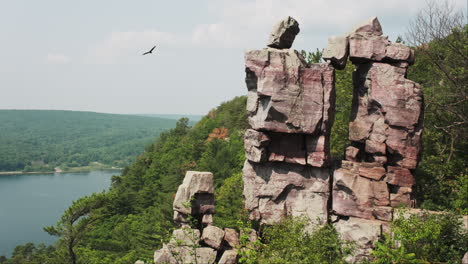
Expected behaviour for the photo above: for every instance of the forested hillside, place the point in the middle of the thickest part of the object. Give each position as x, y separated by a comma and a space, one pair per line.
39, 140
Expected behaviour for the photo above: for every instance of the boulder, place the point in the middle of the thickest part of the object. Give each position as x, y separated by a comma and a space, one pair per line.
213, 236
371, 26
363, 232
465, 258
185, 237
164, 256
231, 237
229, 257
283, 34
207, 219
399, 52
367, 47
351, 153
195, 196
205, 255
337, 51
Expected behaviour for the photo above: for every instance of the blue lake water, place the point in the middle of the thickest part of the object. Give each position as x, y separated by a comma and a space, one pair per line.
29, 202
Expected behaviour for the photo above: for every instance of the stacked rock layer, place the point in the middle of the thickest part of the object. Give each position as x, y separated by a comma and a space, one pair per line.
385, 134
204, 243
290, 105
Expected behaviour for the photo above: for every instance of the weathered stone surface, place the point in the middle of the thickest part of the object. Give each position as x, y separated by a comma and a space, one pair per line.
401, 197
231, 237
357, 196
283, 34
465, 258
352, 153
399, 52
185, 237
164, 256
255, 143
205, 255
384, 213
387, 114
399, 176
373, 171
366, 46
275, 190
371, 26
207, 219
363, 232
194, 183
337, 51
213, 236
292, 98
228, 257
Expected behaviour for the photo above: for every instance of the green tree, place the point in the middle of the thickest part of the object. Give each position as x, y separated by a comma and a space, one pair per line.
425, 238
75, 222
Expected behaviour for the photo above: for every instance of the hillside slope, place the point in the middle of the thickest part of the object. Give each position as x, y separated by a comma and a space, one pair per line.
39, 140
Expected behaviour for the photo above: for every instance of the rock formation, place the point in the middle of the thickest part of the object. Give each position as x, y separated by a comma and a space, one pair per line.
204, 242
288, 170
385, 134
290, 105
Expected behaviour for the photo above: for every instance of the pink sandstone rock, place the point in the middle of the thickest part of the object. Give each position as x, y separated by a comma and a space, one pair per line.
401, 197
352, 153
399, 176
357, 196
255, 143
275, 190
292, 97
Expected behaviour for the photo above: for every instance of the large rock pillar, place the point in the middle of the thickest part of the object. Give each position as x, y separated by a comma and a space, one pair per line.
291, 106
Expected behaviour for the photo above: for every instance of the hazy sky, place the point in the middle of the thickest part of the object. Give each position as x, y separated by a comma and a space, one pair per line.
86, 54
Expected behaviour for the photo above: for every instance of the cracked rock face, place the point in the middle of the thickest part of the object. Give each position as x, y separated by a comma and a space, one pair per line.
275, 190
195, 196
290, 96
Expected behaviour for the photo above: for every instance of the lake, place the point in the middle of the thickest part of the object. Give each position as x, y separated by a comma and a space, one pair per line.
29, 202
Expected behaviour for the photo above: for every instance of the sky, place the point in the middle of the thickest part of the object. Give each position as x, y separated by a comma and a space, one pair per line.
86, 55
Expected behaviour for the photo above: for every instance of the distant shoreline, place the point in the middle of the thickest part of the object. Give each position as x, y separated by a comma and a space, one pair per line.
50, 172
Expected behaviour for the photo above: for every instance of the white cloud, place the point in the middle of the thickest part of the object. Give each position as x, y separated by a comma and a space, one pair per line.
243, 23
57, 58
126, 44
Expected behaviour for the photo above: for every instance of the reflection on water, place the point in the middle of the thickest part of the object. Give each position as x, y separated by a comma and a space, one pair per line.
29, 202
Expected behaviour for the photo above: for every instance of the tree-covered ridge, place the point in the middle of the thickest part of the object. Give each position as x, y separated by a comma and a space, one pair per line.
39, 140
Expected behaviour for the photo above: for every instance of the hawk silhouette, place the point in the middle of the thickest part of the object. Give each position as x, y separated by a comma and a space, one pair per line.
150, 51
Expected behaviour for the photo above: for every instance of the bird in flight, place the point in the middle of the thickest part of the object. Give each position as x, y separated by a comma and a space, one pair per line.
150, 51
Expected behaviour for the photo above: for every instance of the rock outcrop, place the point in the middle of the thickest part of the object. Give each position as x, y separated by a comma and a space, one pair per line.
204, 243
291, 106
385, 134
